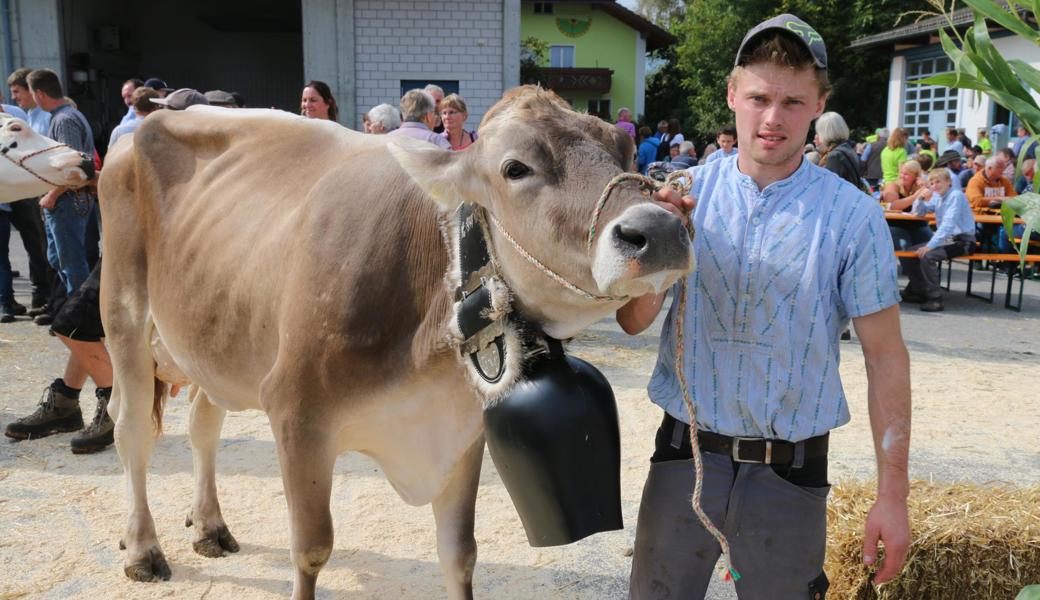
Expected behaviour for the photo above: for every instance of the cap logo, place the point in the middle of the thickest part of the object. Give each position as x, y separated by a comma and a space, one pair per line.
804, 31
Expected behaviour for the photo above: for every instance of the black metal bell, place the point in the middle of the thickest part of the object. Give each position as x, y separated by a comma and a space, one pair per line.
556, 444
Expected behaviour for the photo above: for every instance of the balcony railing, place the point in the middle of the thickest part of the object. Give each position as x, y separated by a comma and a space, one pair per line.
575, 79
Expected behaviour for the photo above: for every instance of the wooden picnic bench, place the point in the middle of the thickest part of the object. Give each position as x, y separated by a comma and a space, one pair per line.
1010, 261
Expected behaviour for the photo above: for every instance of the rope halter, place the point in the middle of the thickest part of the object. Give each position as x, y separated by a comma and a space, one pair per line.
5, 151
647, 185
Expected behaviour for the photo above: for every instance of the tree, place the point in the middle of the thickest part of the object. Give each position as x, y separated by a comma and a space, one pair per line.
712, 30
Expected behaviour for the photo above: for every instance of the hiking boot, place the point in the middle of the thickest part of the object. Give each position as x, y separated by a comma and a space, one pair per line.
10, 310
98, 435
56, 413
38, 309
935, 305
912, 297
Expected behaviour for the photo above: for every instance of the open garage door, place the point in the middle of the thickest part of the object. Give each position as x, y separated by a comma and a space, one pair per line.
254, 47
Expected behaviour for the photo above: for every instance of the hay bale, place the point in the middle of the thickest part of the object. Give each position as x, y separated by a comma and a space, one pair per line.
968, 541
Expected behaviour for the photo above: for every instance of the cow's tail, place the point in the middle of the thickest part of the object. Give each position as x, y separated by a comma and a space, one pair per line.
162, 392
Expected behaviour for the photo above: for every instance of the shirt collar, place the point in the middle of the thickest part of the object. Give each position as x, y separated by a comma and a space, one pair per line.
746, 182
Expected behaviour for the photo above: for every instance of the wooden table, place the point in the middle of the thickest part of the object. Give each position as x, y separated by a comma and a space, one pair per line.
893, 215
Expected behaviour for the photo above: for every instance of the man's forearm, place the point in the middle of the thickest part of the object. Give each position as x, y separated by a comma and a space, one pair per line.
640, 312
888, 399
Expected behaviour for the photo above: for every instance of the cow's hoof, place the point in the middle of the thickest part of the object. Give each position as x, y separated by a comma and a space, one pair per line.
216, 543
150, 568
122, 544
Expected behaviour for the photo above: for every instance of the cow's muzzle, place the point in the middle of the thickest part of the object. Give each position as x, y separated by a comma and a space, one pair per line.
643, 250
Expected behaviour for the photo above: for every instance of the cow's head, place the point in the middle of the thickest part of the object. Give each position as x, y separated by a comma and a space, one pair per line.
540, 168
32, 165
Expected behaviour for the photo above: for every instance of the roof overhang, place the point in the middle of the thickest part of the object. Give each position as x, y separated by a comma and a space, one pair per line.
922, 32
657, 38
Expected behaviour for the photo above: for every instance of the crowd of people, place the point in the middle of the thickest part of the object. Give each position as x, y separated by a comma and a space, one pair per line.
61, 231
902, 174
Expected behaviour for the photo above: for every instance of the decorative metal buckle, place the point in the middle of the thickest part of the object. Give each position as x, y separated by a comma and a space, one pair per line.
736, 451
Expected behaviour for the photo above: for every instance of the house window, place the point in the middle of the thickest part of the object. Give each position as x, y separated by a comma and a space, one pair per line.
543, 8
600, 108
928, 107
561, 57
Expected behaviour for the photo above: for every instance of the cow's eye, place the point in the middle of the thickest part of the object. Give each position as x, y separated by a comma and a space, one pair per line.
516, 170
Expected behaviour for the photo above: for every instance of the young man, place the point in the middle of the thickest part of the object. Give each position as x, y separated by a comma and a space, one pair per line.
787, 253
25, 214
726, 139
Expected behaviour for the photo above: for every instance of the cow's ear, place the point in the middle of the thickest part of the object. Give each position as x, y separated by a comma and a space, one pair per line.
443, 174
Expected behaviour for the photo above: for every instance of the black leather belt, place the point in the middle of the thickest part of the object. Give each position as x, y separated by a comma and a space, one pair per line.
753, 450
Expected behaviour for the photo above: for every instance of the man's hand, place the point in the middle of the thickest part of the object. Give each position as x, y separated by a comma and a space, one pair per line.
922, 251
50, 200
680, 206
887, 522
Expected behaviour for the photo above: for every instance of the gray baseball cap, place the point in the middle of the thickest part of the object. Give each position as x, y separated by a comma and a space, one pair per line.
801, 30
181, 99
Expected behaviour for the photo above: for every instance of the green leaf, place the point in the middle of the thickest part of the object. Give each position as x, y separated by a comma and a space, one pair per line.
955, 80
1006, 18
1026, 206
1030, 592
1026, 72
992, 66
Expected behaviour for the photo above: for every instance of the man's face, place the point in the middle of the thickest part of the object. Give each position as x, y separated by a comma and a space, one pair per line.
625, 116
21, 96
127, 93
673, 151
38, 96
955, 165
951, 135
994, 172
726, 142
662, 127
774, 107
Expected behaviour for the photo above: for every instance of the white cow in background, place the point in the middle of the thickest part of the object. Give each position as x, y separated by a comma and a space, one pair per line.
31, 165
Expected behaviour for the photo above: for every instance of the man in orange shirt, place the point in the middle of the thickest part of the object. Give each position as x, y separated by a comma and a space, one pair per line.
988, 187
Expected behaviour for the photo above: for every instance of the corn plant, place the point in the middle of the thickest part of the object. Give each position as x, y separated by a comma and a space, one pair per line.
978, 66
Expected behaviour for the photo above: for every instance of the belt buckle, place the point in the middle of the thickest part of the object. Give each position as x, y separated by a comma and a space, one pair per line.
736, 451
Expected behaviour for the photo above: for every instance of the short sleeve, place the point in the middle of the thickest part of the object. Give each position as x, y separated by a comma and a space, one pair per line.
867, 280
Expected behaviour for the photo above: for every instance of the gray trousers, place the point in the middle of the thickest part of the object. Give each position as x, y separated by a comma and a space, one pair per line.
923, 273
776, 530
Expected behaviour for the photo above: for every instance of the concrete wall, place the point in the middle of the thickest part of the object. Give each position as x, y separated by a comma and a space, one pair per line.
365, 48
896, 75
413, 40
36, 36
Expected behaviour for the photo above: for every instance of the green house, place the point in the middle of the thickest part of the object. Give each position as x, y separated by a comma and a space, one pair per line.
597, 52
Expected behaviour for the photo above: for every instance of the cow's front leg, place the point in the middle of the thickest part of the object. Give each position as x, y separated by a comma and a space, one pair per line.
212, 537
133, 395
454, 511
307, 455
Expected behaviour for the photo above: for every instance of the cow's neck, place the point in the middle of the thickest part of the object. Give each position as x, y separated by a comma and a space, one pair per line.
489, 341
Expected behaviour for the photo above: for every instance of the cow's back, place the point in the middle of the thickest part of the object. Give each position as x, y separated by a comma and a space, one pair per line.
272, 238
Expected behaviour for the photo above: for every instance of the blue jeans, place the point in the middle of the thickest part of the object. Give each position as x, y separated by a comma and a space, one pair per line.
6, 281
904, 237
66, 238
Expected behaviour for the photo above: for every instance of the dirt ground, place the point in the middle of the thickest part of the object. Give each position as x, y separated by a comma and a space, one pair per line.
975, 414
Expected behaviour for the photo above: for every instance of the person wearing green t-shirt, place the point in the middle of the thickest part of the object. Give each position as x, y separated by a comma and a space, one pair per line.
894, 154
984, 143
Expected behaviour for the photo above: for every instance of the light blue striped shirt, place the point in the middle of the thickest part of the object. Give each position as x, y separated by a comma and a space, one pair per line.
779, 274
953, 216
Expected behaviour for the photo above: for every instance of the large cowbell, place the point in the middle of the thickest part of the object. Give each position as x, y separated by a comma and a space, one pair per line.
556, 444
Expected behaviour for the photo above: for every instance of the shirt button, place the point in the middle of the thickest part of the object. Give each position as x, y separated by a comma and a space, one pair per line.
756, 221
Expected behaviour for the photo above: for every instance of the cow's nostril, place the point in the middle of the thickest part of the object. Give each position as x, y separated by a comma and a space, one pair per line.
630, 236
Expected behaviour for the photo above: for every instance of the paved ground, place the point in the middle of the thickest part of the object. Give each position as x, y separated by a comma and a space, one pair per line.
975, 418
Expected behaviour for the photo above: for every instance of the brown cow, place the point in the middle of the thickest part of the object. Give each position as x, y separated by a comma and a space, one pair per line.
302, 269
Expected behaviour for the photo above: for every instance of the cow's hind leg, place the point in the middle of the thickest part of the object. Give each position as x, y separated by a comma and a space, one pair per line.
307, 455
134, 395
453, 511
212, 537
